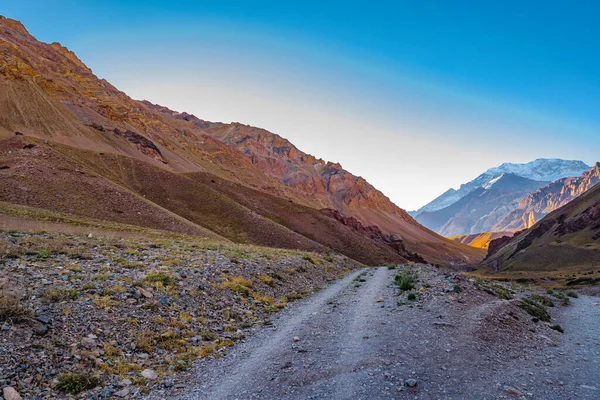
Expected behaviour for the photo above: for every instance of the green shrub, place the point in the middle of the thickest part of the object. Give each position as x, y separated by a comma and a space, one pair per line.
562, 298
133, 265
535, 309
57, 295
309, 259
573, 294
75, 383
160, 277
543, 300
557, 327
412, 296
405, 281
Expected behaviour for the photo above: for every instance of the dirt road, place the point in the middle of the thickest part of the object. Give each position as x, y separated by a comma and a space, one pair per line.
353, 341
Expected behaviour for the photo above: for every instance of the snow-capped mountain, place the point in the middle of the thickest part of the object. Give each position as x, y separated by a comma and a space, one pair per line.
542, 169
481, 209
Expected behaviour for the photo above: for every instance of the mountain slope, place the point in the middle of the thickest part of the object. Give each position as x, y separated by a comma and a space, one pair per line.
547, 199
126, 190
46, 92
567, 238
542, 169
482, 209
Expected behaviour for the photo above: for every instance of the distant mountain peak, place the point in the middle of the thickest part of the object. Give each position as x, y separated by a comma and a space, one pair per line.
543, 169
13, 24
540, 169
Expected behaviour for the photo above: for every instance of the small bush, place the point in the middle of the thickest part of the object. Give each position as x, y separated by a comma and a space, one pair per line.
573, 294
160, 277
557, 327
144, 341
73, 267
267, 279
391, 267
562, 298
10, 302
412, 296
549, 291
133, 266
543, 300
405, 281
495, 289
57, 295
42, 255
76, 383
535, 309
458, 289
208, 335
309, 259
565, 301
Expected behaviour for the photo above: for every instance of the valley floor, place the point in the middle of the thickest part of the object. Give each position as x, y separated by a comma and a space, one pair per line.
360, 338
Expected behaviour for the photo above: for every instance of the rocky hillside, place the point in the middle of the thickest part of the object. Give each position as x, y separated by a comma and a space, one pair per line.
50, 96
536, 205
112, 316
325, 185
566, 239
482, 209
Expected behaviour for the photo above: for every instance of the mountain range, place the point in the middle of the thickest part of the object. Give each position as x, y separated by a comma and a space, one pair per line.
74, 143
507, 199
536, 205
481, 209
542, 169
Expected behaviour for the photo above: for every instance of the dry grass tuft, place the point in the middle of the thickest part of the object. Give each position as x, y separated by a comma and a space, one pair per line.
10, 302
58, 295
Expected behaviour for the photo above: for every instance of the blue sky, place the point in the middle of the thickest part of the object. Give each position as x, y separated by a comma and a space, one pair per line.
415, 96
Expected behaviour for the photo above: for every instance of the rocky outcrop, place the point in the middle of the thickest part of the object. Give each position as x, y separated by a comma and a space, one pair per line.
327, 181
393, 240
495, 244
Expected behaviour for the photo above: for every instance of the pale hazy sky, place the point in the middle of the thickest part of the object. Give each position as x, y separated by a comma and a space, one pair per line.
416, 98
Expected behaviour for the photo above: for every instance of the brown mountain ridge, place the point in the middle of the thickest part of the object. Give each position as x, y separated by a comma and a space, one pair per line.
137, 159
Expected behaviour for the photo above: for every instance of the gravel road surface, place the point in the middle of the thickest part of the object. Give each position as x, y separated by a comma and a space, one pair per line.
352, 341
